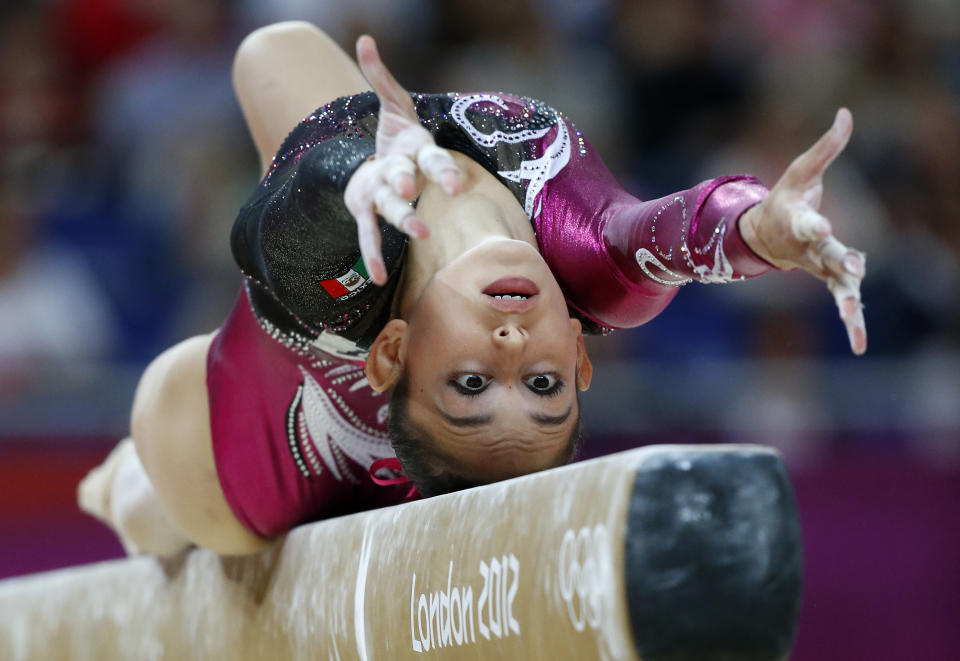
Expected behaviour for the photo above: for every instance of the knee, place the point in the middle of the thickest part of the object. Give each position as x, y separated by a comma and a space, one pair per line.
265, 39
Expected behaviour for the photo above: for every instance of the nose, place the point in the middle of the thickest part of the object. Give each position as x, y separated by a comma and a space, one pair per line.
510, 336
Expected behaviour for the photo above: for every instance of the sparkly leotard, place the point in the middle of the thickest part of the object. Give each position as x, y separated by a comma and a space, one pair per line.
295, 426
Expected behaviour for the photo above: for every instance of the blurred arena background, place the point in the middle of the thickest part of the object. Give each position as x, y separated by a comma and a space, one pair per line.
124, 159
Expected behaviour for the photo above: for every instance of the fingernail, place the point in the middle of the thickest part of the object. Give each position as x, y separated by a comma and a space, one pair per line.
412, 226
857, 338
420, 230
403, 186
373, 268
822, 227
451, 182
859, 341
852, 265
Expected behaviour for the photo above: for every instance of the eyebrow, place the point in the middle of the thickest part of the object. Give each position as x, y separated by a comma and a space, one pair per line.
466, 421
486, 418
552, 420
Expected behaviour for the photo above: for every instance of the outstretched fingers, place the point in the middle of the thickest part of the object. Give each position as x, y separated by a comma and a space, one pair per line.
846, 293
390, 92
843, 269
400, 133
359, 200
381, 186
795, 234
399, 173
811, 164
368, 233
386, 184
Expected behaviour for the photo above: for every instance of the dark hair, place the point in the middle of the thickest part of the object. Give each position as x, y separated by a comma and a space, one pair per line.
432, 472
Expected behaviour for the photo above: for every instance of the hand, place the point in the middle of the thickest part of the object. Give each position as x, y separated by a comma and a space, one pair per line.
788, 231
406, 157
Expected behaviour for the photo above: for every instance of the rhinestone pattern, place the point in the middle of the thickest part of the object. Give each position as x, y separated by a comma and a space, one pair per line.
720, 272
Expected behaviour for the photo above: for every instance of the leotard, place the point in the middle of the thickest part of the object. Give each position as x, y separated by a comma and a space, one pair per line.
295, 425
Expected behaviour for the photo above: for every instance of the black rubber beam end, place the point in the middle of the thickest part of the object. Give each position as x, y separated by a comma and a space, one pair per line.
713, 557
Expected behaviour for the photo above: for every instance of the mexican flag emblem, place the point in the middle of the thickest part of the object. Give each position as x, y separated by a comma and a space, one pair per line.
350, 281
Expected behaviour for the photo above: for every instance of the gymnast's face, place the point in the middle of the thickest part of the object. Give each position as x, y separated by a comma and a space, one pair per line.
492, 359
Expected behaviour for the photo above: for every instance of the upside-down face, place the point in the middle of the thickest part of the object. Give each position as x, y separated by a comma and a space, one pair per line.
492, 360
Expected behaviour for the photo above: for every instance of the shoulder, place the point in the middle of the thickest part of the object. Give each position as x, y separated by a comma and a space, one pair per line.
515, 117
347, 116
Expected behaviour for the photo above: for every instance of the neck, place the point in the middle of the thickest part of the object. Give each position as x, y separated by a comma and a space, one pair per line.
484, 210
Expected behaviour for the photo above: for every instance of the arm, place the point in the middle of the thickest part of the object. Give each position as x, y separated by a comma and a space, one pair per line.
788, 231
295, 232
304, 225
276, 80
281, 73
690, 235
622, 261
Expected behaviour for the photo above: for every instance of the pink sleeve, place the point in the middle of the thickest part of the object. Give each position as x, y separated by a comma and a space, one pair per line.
620, 260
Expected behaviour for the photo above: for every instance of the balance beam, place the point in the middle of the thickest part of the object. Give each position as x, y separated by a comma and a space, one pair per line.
661, 553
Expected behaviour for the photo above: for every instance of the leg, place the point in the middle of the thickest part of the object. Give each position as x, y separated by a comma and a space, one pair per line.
119, 493
284, 71
171, 428
169, 484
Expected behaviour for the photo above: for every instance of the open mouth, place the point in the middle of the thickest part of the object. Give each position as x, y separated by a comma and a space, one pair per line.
513, 286
514, 294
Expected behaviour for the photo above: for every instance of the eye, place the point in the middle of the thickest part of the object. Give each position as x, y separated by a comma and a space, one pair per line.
544, 384
470, 384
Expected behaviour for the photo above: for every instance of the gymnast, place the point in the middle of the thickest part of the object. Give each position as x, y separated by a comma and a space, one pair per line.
521, 242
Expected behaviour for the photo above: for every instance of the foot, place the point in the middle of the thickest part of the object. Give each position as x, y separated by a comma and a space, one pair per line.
93, 492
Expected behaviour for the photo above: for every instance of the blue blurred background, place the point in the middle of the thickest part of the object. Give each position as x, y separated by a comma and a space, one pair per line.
123, 159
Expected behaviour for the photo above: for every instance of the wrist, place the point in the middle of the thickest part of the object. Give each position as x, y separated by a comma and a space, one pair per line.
747, 225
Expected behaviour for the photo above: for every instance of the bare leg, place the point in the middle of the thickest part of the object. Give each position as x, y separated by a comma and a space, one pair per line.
165, 490
119, 493
282, 72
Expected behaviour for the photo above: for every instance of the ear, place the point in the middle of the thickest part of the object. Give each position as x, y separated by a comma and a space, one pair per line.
387, 354
584, 366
